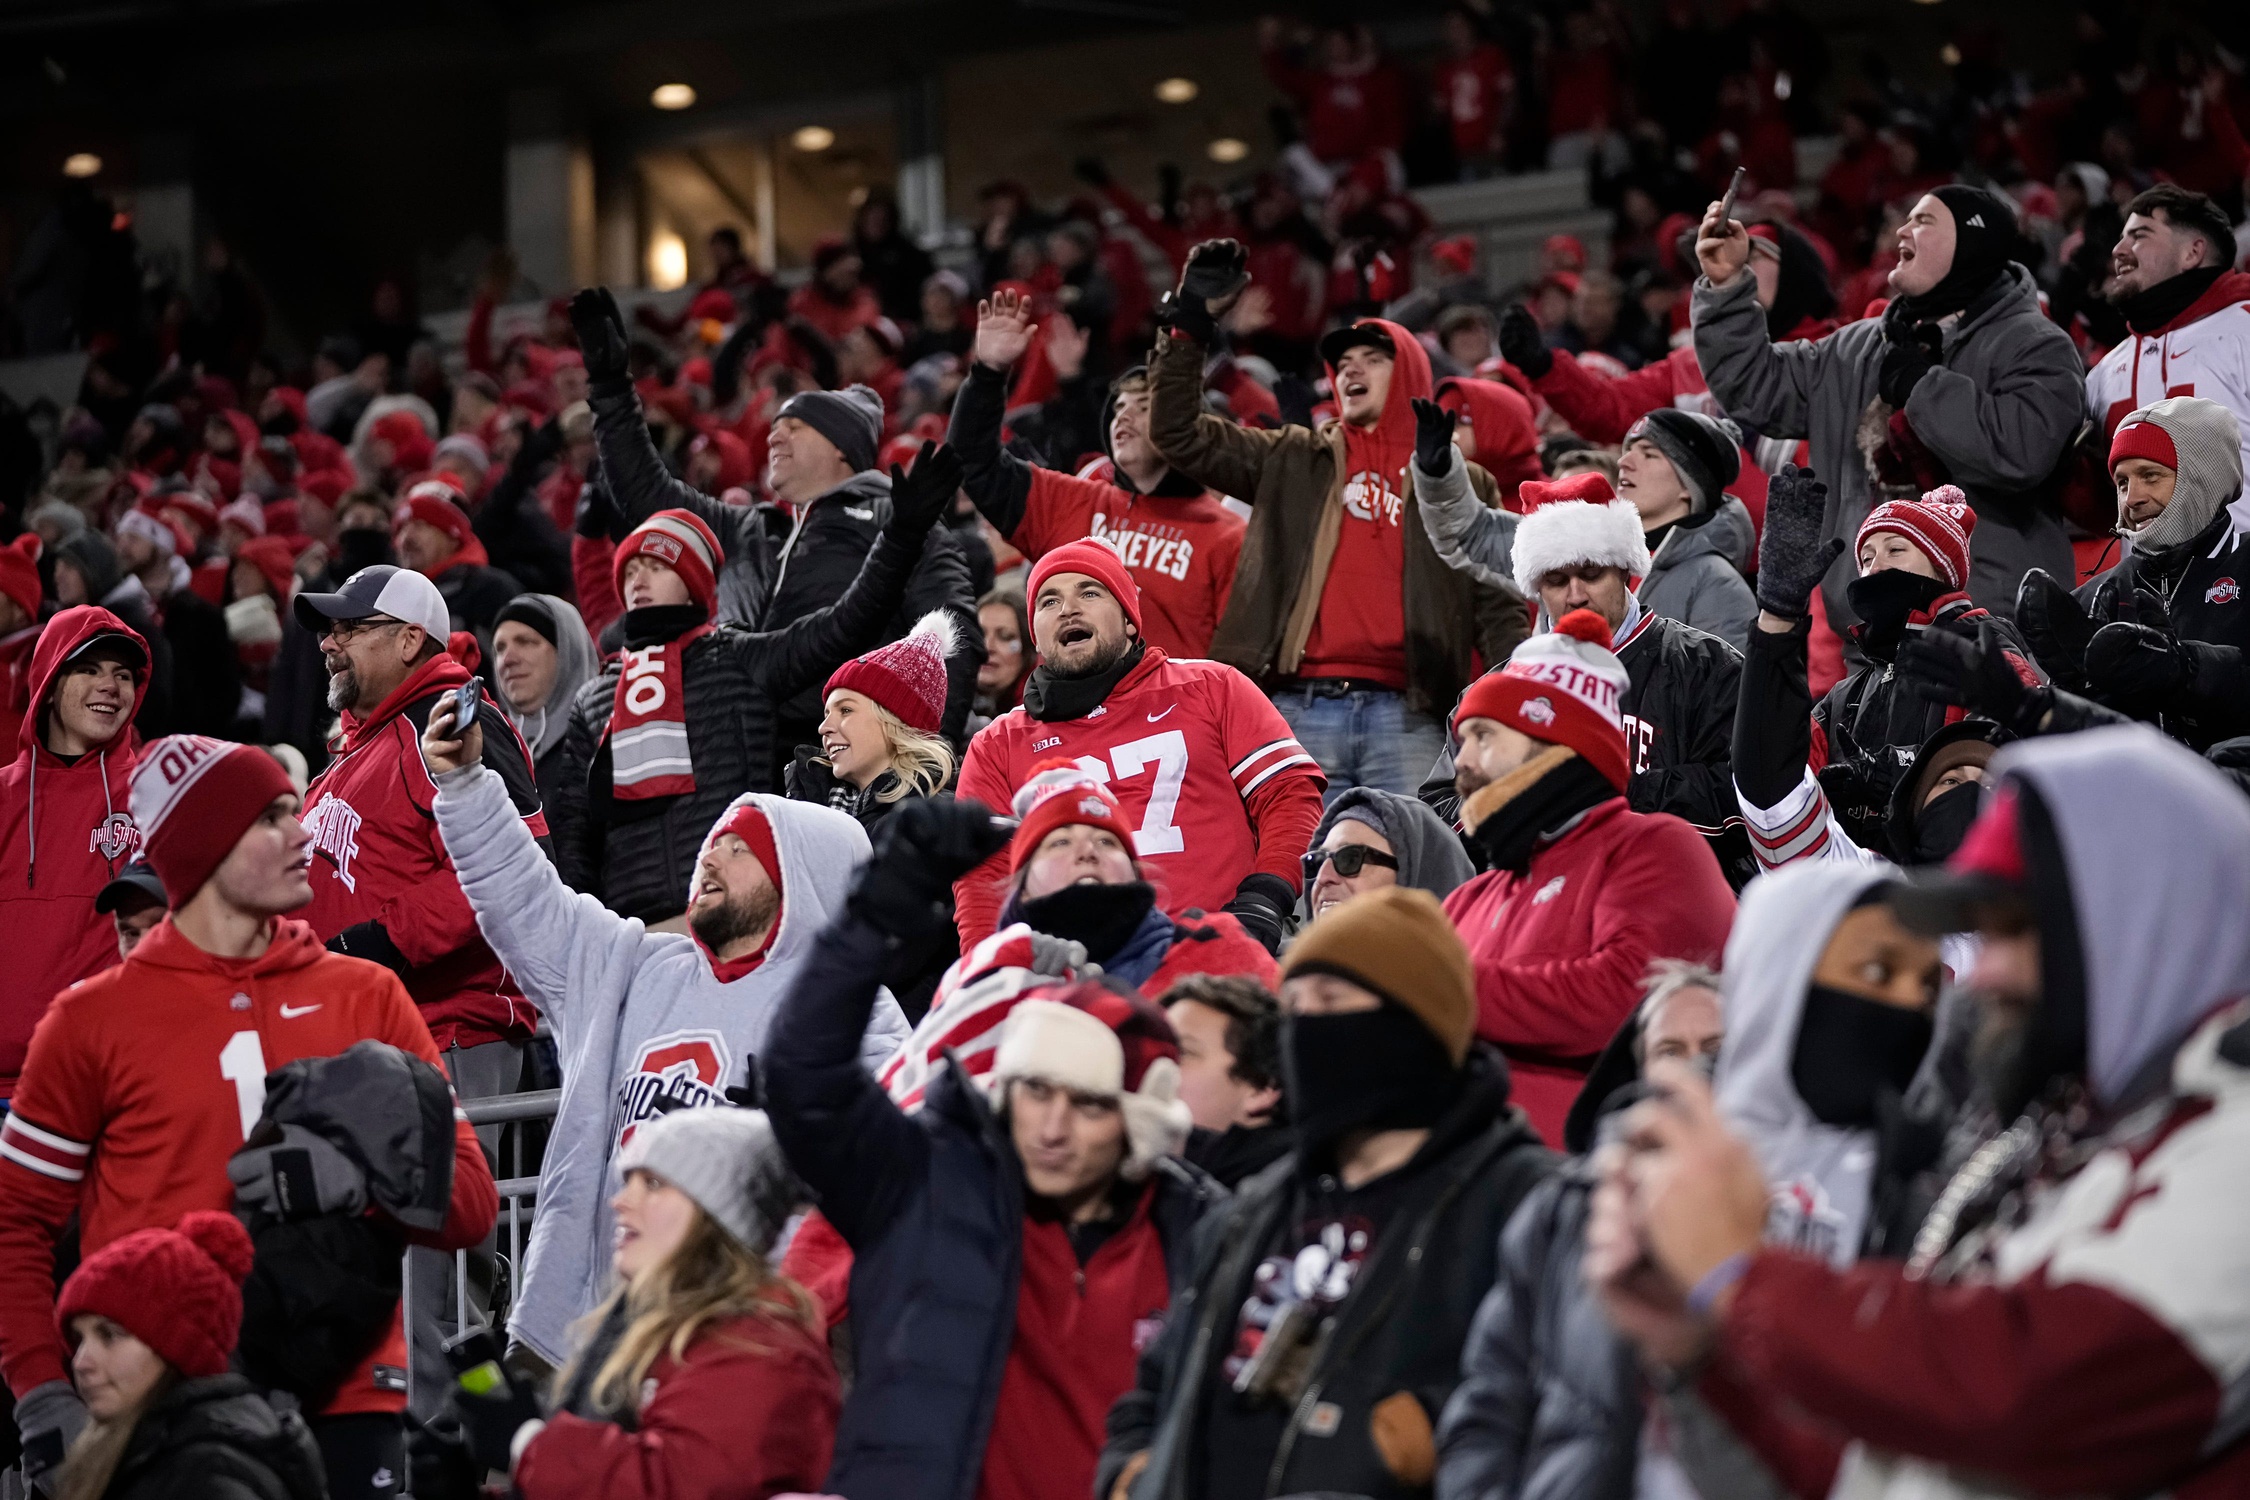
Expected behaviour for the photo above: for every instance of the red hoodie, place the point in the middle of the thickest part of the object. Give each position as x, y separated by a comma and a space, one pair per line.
65, 832
142, 1083
378, 858
1360, 630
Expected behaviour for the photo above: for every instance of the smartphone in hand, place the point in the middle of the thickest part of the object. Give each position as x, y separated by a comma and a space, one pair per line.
465, 700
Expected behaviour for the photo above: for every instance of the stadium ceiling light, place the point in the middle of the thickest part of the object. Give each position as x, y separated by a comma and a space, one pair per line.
673, 96
1950, 55
813, 138
81, 164
667, 261
1226, 150
1178, 90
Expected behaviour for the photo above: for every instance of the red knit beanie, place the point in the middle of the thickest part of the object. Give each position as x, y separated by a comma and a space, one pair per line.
907, 676
1060, 793
2143, 439
409, 440
179, 1291
1939, 524
19, 574
440, 503
747, 821
681, 541
1561, 687
193, 797
1098, 561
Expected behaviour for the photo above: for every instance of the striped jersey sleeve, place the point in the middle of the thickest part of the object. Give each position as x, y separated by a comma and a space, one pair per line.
49, 1153
1260, 746
1800, 826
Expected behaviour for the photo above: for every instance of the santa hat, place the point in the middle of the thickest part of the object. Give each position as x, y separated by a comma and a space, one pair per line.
193, 797
19, 573
1098, 561
1060, 793
907, 676
179, 1290
1569, 533
1561, 687
437, 502
683, 542
1939, 524
1091, 1039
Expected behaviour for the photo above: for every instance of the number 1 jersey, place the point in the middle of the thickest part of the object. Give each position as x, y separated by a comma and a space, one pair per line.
1192, 751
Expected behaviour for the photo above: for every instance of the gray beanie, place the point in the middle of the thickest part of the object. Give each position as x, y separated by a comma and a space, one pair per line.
728, 1161
851, 418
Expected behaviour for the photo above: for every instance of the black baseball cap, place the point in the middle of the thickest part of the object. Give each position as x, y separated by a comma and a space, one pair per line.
1337, 341
137, 882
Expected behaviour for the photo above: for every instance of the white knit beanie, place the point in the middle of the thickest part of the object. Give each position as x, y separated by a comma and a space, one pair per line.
728, 1161
1072, 1048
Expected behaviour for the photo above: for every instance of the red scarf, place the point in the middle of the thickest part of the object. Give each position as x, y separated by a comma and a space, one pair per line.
647, 733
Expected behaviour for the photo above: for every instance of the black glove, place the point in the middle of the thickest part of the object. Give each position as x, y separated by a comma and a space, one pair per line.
921, 496
1944, 666
1091, 171
298, 1176
438, 1460
2055, 626
490, 1422
1261, 904
1521, 343
1905, 361
371, 941
1792, 559
1216, 270
595, 517
1433, 436
2137, 668
1296, 397
906, 888
601, 333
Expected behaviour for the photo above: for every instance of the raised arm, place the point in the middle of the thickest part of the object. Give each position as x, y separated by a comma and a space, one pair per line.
1469, 536
1209, 449
997, 480
1758, 381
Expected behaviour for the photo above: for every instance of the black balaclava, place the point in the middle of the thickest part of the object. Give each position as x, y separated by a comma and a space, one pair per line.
1943, 822
652, 624
1884, 601
1378, 1069
1851, 1051
1984, 241
1098, 917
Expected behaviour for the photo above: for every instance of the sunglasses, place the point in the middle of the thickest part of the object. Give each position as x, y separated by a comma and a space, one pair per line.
1348, 860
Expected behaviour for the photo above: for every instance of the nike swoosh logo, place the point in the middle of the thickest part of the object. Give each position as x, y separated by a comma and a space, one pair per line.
292, 1012
1152, 718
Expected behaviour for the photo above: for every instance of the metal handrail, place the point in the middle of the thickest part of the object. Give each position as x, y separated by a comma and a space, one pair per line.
538, 1104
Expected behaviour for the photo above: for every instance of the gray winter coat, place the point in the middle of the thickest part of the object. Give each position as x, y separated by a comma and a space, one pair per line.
1696, 573
1997, 412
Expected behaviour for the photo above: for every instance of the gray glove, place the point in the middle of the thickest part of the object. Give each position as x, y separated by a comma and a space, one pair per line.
50, 1417
1792, 559
296, 1177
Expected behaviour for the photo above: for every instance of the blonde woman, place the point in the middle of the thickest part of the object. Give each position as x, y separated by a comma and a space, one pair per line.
879, 741
706, 1373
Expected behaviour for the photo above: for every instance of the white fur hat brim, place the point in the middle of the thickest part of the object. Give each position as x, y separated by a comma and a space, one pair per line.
1069, 1048
1569, 533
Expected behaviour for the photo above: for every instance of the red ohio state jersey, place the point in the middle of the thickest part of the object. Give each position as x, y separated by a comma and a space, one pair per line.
1186, 747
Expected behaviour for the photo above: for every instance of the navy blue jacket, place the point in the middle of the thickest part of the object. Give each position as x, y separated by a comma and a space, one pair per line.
932, 1205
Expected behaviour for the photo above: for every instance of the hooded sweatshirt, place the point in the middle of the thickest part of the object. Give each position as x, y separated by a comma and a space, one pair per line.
637, 1015
576, 662
1430, 856
65, 831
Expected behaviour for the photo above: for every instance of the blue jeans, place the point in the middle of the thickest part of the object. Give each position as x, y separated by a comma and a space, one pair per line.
1366, 737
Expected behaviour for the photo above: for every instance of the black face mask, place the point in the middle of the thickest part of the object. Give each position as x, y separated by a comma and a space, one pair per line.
1884, 600
1100, 917
1944, 821
1851, 1051
1376, 1069
655, 623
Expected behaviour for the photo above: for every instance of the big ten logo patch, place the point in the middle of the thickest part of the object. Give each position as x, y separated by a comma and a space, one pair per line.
1149, 549
334, 826
114, 837
1367, 497
681, 1069
1640, 737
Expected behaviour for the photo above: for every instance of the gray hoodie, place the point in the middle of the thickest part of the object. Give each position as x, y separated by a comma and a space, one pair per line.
636, 1014
1695, 576
576, 662
1430, 856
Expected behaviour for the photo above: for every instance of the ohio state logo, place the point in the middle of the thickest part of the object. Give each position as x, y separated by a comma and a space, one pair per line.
686, 1068
659, 546
2225, 591
114, 837
1537, 711
1368, 498
334, 826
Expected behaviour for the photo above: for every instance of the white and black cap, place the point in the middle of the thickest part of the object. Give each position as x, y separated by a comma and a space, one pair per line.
400, 593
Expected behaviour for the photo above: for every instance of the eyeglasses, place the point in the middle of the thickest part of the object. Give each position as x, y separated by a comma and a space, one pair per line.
342, 631
1348, 860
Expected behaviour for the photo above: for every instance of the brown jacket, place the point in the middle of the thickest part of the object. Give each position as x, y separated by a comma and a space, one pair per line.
1293, 480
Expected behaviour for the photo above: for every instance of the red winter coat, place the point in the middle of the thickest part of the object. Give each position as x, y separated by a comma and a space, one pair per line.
65, 832
1561, 951
378, 858
749, 1412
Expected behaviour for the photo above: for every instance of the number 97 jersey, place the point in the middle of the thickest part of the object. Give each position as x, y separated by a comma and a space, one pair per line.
1193, 753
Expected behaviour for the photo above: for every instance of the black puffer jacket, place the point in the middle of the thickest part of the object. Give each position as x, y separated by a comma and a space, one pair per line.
778, 571
2202, 583
1549, 1406
217, 1439
637, 855
1399, 1330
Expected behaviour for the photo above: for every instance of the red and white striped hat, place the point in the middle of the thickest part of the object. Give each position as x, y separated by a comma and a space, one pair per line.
192, 798
681, 541
1940, 524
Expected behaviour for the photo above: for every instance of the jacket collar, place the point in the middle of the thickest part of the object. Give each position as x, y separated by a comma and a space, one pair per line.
440, 671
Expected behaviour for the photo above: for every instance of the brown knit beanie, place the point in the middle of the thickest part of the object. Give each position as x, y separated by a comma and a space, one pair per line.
1398, 943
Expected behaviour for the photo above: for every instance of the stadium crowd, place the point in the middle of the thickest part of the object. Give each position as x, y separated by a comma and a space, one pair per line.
1265, 880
